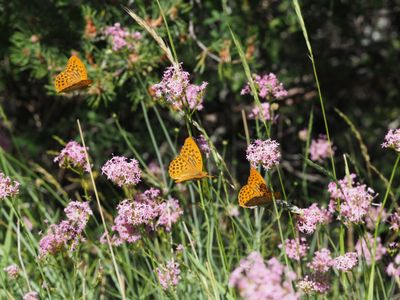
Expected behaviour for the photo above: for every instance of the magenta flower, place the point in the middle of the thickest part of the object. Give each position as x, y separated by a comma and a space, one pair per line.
169, 211
8, 187
393, 269
203, 145
68, 233
268, 87
31, 296
346, 262
394, 221
312, 284
176, 88
12, 271
392, 139
296, 249
265, 153
169, 274
73, 156
309, 218
355, 199
365, 246
320, 149
121, 37
255, 279
121, 171
322, 261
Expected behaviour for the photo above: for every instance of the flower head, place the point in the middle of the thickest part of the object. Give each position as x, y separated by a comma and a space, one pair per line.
372, 216
255, 279
355, 198
394, 220
392, 139
73, 156
268, 87
120, 37
8, 187
266, 112
203, 145
12, 271
31, 296
176, 88
312, 284
393, 269
309, 218
322, 261
346, 262
321, 149
365, 245
168, 274
169, 211
122, 171
296, 248
265, 153
78, 213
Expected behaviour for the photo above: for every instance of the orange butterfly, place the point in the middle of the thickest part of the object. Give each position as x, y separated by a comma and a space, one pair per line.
255, 192
188, 164
73, 77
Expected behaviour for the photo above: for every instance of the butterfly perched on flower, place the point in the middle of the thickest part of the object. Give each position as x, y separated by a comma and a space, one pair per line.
255, 192
74, 76
188, 165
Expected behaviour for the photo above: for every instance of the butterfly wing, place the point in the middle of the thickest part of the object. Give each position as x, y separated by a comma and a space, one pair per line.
188, 164
74, 77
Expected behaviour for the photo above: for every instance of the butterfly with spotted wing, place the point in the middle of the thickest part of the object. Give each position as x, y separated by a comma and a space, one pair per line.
74, 76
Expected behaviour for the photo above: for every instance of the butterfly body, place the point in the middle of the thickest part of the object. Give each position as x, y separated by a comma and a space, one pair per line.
74, 77
188, 165
255, 192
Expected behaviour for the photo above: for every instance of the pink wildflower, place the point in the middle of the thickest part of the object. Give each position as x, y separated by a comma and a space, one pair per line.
176, 88
73, 156
121, 37
8, 187
320, 149
296, 249
365, 246
203, 145
394, 220
31, 296
121, 171
393, 269
169, 275
12, 271
265, 112
170, 211
268, 87
309, 218
233, 210
322, 261
372, 216
392, 139
314, 284
346, 262
78, 213
265, 153
256, 280
355, 198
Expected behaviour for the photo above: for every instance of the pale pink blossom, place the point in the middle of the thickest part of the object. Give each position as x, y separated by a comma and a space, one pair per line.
121, 37
392, 139
320, 149
169, 213
315, 283
309, 218
265, 153
322, 261
8, 187
268, 87
393, 269
73, 156
296, 248
169, 274
31, 296
203, 145
365, 246
394, 221
372, 216
12, 271
265, 112
122, 171
346, 262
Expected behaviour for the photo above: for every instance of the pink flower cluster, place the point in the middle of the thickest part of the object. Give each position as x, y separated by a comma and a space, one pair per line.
256, 280
169, 275
265, 112
321, 149
372, 216
316, 283
265, 153
365, 246
8, 187
31, 296
268, 87
346, 262
12, 271
393, 269
121, 171
203, 145
394, 220
144, 213
309, 218
73, 156
296, 248
176, 88
68, 232
355, 198
322, 261
392, 139
120, 36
